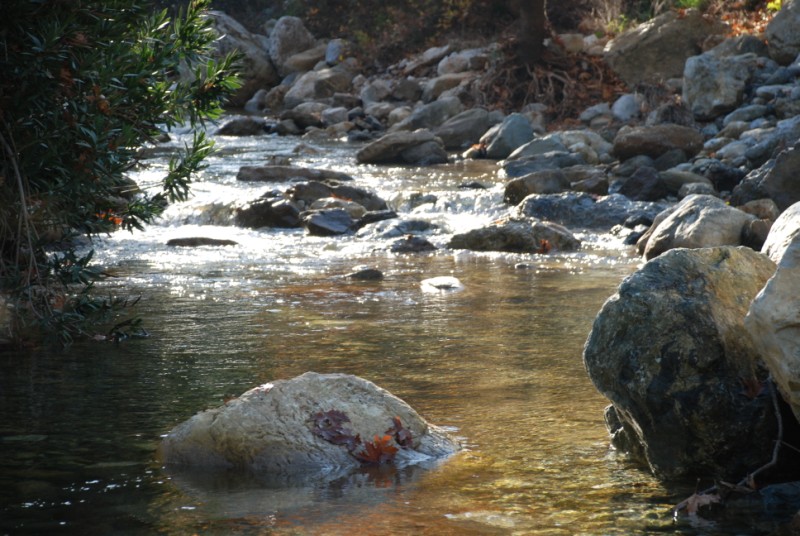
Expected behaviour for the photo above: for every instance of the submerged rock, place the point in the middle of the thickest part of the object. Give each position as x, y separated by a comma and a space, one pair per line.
197, 241
670, 351
275, 428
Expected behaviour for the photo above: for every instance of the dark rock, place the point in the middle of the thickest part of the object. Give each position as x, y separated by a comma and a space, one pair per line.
366, 274
305, 193
464, 129
328, 222
412, 244
538, 182
419, 147
670, 352
776, 180
196, 241
243, 126
644, 185
281, 173
269, 211
374, 216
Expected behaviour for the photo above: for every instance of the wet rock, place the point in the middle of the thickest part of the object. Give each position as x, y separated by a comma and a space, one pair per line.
288, 37
256, 70
782, 36
366, 274
270, 429
443, 283
715, 85
464, 129
412, 244
585, 211
774, 318
269, 211
517, 235
304, 194
355, 210
243, 126
197, 241
505, 138
654, 141
698, 221
330, 222
399, 147
538, 182
670, 352
657, 50
394, 228
279, 173
374, 216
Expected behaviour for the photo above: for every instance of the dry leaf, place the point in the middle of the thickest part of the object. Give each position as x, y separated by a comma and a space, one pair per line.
696, 501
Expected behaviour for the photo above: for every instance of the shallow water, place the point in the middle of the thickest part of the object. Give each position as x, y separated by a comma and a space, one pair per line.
498, 363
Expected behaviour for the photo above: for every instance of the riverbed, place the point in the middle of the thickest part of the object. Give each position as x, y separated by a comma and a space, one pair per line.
498, 364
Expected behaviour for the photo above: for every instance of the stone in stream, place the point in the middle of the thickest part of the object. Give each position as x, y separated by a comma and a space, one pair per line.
197, 241
517, 235
285, 427
685, 379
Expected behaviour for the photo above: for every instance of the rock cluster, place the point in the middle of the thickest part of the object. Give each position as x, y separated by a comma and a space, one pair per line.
694, 174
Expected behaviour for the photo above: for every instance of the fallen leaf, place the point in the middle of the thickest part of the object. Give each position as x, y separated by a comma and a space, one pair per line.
378, 452
401, 435
694, 502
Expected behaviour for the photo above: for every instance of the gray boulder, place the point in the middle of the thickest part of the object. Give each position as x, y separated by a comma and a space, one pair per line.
586, 211
305, 194
316, 85
293, 426
542, 162
431, 115
782, 33
505, 138
517, 235
714, 85
420, 147
328, 222
304, 61
656, 50
670, 352
654, 141
777, 180
698, 221
538, 182
257, 70
435, 87
464, 129
288, 37
774, 317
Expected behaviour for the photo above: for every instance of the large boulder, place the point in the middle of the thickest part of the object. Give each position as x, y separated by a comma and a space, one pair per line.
517, 235
256, 70
654, 141
698, 221
782, 33
288, 37
714, 85
307, 424
420, 147
774, 316
683, 375
657, 49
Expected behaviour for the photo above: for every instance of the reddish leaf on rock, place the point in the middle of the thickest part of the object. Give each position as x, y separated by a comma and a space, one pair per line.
329, 425
378, 452
401, 435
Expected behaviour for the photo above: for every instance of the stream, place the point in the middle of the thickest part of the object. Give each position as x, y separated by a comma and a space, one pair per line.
497, 363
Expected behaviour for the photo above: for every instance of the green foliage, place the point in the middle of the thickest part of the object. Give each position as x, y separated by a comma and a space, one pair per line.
774, 5
83, 85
